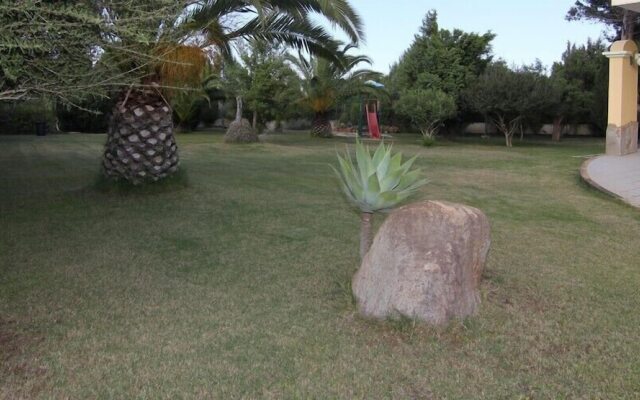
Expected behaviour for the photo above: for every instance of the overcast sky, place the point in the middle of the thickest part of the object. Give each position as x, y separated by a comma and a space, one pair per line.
526, 29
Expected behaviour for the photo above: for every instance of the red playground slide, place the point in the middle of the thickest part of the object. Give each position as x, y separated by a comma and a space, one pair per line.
372, 120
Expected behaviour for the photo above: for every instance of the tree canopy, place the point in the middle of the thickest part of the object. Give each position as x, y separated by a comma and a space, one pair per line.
442, 59
68, 49
54, 48
582, 77
439, 62
510, 96
625, 23
426, 109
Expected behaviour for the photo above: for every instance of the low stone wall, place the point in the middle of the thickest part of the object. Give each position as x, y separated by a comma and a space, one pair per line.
573, 130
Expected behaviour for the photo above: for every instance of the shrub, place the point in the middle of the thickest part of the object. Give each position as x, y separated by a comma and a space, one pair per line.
427, 109
428, 140
20, 118
72, 119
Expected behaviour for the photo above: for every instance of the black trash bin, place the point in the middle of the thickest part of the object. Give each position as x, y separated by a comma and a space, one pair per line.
42, 128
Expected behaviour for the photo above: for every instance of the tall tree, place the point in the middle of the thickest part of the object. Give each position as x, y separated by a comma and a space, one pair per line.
441, 60
625, 23
582, 78
271, 81
326, 82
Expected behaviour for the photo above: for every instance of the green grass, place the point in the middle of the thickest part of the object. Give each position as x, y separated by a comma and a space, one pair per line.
236, 283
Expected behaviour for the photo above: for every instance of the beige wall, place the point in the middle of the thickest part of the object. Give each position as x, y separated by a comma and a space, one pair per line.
623, 83
633, 5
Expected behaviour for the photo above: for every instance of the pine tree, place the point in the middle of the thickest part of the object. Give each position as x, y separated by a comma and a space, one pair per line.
625, 23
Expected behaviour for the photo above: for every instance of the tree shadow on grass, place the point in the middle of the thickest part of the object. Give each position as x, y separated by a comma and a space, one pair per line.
176, 182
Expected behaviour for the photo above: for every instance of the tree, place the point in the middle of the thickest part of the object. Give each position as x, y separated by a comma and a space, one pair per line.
427, 109
273, 86
626, 26
52, 48
581, 77
441, 60
214, 25
326, 82
222, 23
186, 107
376, 183
509, 97
623, 21
261, 81
235, 82
67, 49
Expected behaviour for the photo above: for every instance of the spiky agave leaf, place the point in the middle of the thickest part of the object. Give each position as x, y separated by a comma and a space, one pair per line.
379, 182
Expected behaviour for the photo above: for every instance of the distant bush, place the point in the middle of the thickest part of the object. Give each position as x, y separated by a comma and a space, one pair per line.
71, 119
428, 140
297, 124
427, 109
208, 113
20, 118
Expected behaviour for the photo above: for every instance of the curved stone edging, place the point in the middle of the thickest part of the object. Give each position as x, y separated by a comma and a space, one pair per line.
584, 173
586, 177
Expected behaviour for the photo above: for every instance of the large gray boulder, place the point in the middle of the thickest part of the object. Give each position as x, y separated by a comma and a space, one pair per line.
425, 263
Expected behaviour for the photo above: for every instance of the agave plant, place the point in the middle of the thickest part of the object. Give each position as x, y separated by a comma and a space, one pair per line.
376, 183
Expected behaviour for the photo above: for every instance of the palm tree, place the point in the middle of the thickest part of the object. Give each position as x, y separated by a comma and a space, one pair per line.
140, 143
376, 183
327, 81
288, 22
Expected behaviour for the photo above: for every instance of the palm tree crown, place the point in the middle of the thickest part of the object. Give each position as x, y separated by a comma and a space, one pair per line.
288, 22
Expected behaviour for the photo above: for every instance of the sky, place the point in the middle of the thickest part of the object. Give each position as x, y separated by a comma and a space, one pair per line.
526, 29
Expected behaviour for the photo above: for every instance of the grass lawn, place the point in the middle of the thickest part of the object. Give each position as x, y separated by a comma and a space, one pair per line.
237, 286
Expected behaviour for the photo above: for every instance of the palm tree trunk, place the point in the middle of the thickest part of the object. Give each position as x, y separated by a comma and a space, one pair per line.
140, 142
365, 233
321, 125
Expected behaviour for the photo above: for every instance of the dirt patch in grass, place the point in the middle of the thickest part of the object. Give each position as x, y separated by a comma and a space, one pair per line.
22, 374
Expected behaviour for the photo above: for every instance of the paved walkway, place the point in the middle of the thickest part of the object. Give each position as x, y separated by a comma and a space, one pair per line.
618, 176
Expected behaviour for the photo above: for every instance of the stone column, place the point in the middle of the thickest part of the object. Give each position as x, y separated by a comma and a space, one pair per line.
622, 129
